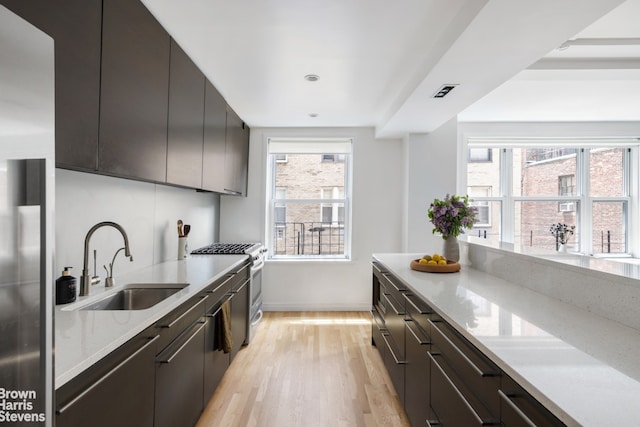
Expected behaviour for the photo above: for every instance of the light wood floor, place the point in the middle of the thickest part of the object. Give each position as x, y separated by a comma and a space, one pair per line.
307, 369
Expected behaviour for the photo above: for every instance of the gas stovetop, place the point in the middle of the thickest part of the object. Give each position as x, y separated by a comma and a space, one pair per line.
227, 249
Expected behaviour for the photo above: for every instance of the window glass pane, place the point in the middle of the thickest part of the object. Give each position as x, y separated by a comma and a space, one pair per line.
537, 171
488, 225
606, 170
485, 174
305, 175
311, 229
608, 227
534, 219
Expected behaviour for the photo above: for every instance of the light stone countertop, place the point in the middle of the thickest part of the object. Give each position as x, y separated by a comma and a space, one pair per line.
582, 367
83, 337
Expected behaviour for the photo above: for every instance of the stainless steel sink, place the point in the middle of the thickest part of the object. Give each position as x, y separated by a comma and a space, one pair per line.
138, 296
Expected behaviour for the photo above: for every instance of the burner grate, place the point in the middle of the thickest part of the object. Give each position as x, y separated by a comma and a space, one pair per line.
223, 249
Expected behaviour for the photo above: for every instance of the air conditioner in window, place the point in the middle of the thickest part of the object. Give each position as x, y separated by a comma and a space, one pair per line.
567, 207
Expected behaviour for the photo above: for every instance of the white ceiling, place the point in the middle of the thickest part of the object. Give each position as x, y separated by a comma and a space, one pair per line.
380, 61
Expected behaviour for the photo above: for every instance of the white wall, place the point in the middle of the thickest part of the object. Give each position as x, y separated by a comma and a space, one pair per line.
147, 212
378, 212
432, 161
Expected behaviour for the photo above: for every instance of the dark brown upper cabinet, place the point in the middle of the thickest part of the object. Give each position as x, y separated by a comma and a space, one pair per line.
186, 120
134, 93
213, 159
236, 154
75, 28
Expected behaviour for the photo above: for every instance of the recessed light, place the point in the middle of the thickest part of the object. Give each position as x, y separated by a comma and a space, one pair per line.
312, 77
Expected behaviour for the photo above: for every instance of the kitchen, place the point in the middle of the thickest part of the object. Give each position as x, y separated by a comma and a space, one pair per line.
425, 153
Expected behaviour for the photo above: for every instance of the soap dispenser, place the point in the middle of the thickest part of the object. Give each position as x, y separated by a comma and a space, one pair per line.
65, 287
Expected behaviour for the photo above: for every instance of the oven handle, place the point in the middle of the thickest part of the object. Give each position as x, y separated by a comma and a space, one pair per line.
256, 321
257, 267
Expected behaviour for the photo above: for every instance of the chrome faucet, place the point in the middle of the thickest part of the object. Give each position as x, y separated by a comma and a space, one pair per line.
85, 279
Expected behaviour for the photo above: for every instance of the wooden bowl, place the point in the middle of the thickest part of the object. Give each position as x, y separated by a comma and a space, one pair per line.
451, 267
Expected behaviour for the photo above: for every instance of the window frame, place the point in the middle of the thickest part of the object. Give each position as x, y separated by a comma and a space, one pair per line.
341, 150
582, 200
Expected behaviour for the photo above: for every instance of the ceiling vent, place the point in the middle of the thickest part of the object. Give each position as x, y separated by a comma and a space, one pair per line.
444, 90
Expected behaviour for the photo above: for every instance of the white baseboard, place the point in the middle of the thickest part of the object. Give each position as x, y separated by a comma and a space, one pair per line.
316, 307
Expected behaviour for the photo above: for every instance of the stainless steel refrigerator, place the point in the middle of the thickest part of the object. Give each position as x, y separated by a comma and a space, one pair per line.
26, 223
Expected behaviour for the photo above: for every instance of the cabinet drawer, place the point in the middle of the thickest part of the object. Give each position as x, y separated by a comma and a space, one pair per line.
377, 329
180, 319
394, 324
180, 380
394, 288
395, 366
122, 380
452, 403
217, 292
417, 374
481, 376
418, 310
519, 408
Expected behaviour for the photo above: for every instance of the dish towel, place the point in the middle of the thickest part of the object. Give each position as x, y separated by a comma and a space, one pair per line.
224, 338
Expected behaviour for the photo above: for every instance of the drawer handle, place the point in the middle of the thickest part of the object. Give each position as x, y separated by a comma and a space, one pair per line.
489, 373
398, 362
227, 279
172, 324
386, 276
418, 309
410, 325
107, 375
241, 286
175, 353
391, 305
507, 399
460, 395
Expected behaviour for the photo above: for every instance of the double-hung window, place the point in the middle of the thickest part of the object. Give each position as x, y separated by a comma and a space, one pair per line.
309, 198
585, 184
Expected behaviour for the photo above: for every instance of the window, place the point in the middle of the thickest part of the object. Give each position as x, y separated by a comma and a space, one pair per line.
483, 206
586, 186
309, 199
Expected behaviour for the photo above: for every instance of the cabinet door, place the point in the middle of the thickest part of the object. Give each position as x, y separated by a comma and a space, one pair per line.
186, 120
179, 380
216, 361
236, 154
75, 27
121, 395
215, 113
417, 375
239, 317
134, 93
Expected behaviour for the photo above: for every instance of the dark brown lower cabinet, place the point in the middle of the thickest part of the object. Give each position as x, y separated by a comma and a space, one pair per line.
417, 374
441, 377
216, 361
519, 408
179, 380
117, 391
239, 317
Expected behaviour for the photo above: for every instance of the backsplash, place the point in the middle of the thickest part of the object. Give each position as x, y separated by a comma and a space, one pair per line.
603, 288
148, 213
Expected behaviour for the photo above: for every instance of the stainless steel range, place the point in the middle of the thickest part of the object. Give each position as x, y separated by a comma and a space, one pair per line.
257, 252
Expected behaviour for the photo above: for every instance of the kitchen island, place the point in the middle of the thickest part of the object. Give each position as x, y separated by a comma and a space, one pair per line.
83, 337
582, 367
